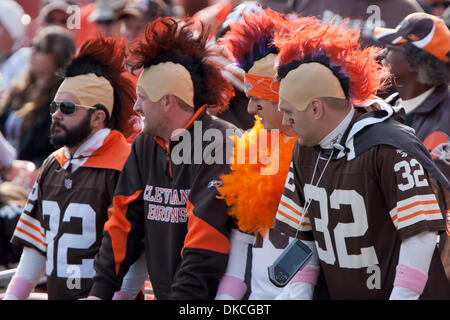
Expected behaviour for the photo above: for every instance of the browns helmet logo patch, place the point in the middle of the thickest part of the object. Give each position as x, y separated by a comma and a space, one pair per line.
438, 143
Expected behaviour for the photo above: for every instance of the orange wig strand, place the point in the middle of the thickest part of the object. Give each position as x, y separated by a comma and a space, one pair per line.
338, 47
168, 40
252, 197
109, 57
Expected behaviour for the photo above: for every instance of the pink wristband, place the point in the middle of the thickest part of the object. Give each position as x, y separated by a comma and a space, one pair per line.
19, 287
232, 286
120, 295
411, 278
308, 274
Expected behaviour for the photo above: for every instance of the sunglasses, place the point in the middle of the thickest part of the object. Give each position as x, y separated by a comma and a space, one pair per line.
66, 107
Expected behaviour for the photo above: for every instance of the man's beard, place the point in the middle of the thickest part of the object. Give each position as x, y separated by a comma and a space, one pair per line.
71, 137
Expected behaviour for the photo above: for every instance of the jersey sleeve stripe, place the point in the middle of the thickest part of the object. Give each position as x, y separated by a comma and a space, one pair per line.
30, 238
403, 204
425, 208
415, 209
39, 230
394, 216
417, 203
291, 213
32, 222
447, 219
288, 216
293, 223
419, 218
285, 201
419, 213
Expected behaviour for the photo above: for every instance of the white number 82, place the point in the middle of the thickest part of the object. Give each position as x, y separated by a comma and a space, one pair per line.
76, 241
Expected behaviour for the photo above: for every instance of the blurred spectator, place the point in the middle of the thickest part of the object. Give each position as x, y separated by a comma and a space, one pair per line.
192, 7
446, 17
135, 16
235, 14
435, 7
85, 2
12, 200
363, 14
419, 54
7, 154
12, 31
54, 12
237, 112
214, 16
104, 15
88, 29
24, 114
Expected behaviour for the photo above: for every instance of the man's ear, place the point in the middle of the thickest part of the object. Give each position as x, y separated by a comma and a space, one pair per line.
317, 108
167, 102
98, 118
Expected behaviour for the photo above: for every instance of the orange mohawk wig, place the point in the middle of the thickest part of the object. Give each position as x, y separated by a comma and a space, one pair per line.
251, 38
166, 41
338, 48
105, 57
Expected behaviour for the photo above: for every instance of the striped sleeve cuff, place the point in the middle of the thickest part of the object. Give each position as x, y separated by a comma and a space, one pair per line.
292, 214
30, 231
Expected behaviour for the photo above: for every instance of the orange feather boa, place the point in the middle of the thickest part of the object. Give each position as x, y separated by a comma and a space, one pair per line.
252, 197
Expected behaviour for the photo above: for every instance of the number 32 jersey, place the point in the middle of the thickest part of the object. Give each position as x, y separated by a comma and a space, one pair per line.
65, 215
359, 213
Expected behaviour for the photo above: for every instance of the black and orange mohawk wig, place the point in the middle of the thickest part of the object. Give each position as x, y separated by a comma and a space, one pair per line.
251, 38
167, 40
337, 47
105, 57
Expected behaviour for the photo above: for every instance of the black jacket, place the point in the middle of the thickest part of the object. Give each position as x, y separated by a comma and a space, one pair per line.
431, 122
171, 209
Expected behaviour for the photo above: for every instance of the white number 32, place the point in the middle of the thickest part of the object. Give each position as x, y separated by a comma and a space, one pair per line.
412, 177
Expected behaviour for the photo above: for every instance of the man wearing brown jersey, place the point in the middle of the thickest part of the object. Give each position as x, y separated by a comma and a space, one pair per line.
62, 223
361, 187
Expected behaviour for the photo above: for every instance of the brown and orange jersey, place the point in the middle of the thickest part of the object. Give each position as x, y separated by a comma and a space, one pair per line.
66, 212
173, 210
360, 211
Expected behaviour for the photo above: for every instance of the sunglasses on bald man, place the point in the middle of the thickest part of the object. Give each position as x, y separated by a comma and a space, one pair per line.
66, 107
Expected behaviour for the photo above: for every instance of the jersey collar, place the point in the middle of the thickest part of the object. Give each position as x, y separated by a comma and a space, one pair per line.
197, 115
105, 149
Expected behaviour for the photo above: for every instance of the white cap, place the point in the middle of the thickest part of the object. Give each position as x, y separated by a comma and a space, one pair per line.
103, 11
11, 14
